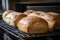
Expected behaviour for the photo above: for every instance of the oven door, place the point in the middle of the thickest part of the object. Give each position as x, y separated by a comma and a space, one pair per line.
44, 8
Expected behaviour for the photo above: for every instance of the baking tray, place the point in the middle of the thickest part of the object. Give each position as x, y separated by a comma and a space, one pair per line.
17, 33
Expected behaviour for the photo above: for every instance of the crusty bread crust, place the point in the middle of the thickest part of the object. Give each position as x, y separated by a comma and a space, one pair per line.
6, 13
28, 12
13, 17
30, 25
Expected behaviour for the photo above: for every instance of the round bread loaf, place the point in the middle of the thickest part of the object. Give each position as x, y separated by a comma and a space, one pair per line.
13, 18
33, 25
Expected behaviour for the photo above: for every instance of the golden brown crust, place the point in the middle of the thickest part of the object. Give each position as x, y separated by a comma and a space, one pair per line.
19, 18
28, 12
56, 25
51, 17
6, 13
13, 18
37, 13
52, 13
27, 25
55, 20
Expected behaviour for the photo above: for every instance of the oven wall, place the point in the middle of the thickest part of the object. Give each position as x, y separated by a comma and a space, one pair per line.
12, 4
45, 7
39, 0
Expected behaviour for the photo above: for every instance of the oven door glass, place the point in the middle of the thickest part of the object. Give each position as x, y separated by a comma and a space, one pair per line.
1, 6
45, 8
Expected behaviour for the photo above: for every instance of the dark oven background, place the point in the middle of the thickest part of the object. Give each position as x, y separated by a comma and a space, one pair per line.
47, 7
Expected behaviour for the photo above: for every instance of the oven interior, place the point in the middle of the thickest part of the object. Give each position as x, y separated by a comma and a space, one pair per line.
15, 33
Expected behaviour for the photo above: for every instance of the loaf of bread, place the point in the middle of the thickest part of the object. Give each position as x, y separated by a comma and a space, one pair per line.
32, 22
6, 13
54, 20
28, 12
51, 17
13, 18
33, 25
